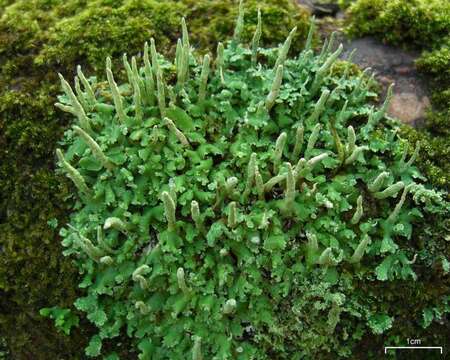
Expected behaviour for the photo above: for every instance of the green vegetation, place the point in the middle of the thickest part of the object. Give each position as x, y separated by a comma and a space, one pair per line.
37, 39
413, 22
250, 206
423, 24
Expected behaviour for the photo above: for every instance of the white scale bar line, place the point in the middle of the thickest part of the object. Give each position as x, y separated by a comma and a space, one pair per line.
413, 347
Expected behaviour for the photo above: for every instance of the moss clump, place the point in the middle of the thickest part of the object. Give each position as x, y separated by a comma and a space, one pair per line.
410, 22
230, 208
436, 63
38, 37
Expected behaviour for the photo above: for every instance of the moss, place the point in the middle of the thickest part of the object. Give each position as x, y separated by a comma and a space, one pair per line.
39, 38
435, 148
420, 23
98, 24
210, 21
436, 63
31, 195
101, 30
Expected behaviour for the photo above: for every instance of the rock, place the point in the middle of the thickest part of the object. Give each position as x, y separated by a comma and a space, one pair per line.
393, 65
408, 107
385, 80
321, 8
404, 70
340, 15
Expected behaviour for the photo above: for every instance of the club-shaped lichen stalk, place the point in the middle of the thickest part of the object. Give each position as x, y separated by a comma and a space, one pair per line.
359, 210
283, 52
195, 213
290, 189
324, 69
298, 142
239, 23
392, 190
393, 216
80, 95
232, 215
203, 78
259, 183
149, 77
355, 154
76, 108
178, 133
102, 243
89, 248
377, 184
413, 157
380, 113
106, 260
276, 84
359, 251
73, 173
117, 98
250, 176
90, 95
143, 308
169, 210
95, 148
115, 223
311, 31
182, 281
138, 276
220, 61
256, 38
318, 108
197, 349
312, 140
278, 153
351, 140
315, 160
229, 307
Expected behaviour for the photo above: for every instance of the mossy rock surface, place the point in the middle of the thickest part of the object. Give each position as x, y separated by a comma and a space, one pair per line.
38, 39
423, 25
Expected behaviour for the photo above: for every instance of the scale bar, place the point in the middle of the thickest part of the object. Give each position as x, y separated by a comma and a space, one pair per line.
386, 348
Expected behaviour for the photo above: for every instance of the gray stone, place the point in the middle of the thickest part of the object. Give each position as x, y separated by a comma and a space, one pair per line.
393, 65
408, 107
321, 8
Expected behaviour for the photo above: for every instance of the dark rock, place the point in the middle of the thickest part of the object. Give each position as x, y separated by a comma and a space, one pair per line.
321, 8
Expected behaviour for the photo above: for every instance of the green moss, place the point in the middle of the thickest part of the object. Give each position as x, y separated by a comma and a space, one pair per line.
413, 22
433, 157
436, 63
30, 265
101, 29
210, 21
39, 38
